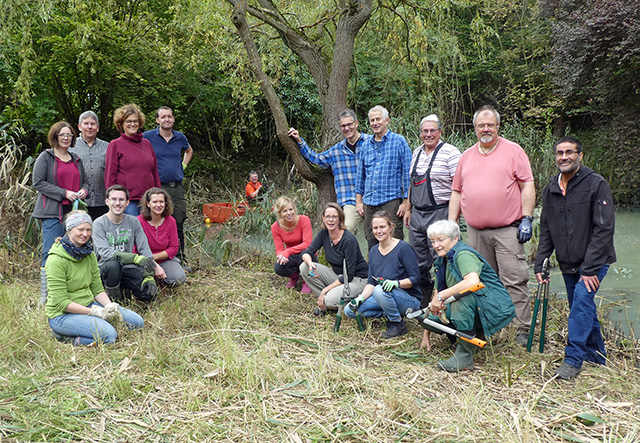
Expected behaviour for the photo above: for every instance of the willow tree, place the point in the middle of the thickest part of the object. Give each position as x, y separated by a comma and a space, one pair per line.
329, 65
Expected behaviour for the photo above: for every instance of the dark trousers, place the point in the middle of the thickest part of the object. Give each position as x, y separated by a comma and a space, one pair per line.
130, 277
176, 192
292, 266
97, 211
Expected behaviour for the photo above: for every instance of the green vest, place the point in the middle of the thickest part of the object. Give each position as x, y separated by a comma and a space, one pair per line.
495, 308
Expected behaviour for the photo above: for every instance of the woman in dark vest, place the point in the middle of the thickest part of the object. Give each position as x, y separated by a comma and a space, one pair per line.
457, 268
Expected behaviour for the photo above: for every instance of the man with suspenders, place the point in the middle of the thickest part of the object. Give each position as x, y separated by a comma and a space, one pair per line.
432, 169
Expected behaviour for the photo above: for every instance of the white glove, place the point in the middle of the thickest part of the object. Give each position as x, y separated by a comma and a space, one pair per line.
112, 312
109, 312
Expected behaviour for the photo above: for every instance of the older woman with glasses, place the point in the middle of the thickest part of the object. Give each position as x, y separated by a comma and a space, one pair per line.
340, 245
60, 180
459, 267
131, 161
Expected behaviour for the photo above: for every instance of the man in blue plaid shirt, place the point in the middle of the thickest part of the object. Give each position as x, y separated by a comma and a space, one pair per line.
342, 158
382, 180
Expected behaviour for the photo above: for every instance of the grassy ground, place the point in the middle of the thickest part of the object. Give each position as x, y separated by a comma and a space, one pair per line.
234, 356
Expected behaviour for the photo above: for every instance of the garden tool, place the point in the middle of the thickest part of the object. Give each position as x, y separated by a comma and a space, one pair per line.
442, 313
543, 290
451, 331
345, 298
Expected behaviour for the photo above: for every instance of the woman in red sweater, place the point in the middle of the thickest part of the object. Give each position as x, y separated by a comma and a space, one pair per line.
292, 234
131, 161
162, 234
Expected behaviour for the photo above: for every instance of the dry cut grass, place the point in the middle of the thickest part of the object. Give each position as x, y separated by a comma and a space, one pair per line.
234, 357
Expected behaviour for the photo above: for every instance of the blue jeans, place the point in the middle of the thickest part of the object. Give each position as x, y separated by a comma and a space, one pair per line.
51, 229
584, 342
132, 208
392, 304
87, 329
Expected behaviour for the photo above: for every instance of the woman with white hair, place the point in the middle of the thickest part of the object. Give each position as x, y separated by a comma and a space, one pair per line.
78, 308
457, 268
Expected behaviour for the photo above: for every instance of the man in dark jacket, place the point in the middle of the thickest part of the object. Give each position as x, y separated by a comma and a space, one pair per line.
578, 221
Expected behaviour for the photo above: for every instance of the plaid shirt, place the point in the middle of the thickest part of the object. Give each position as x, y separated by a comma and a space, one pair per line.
344, 164
383, 169
93, 161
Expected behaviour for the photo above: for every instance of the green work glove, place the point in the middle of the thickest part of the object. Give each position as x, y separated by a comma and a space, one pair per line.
125, 258
390, 285
356, 302
145, 262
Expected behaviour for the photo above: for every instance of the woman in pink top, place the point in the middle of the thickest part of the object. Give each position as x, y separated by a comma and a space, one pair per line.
162, 234
292, 234
130, 160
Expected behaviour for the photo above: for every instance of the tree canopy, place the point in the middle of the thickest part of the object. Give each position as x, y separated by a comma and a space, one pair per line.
553, 65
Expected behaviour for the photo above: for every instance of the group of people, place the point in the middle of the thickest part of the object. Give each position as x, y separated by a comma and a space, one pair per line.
379, 181
112, 218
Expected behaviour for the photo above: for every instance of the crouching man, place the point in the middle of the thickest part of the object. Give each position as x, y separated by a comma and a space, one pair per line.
115, 235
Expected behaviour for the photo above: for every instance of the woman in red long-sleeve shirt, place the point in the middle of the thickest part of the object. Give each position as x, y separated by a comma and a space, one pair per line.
292, 234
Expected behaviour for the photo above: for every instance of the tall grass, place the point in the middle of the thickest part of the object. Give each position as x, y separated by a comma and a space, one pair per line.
233, 356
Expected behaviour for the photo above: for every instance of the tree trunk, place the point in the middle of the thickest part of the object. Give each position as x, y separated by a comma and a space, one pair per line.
331, 84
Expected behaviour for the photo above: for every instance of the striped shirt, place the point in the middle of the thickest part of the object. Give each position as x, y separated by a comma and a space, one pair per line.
383, 169
343, 163
442, 171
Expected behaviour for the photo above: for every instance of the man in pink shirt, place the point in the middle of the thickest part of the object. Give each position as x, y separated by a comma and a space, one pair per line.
493, 188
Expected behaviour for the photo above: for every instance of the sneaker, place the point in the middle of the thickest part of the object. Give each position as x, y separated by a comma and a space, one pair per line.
293, 281
395, 329
305, 288
319, 312
522, 339
567, 371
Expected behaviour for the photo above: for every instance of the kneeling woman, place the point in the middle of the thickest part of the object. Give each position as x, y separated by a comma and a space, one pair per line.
162, 233
457, 268
393, 279
292, 234
77, 306
327, 283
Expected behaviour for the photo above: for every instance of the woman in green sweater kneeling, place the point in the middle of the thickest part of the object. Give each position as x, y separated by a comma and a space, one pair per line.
78, 309
459, 267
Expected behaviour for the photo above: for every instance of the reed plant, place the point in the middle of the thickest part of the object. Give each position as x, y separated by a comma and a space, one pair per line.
233, 356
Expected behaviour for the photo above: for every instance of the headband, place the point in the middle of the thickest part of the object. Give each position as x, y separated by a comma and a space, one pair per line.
77, 219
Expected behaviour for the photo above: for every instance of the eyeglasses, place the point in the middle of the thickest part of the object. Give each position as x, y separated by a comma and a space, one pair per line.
331, 217
430, 131
438, 241
117, 200
568, 153
131, 122
486, 125
65, 135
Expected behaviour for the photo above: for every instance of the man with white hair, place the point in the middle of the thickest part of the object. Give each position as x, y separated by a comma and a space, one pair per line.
92, 151
433, 167
382, 180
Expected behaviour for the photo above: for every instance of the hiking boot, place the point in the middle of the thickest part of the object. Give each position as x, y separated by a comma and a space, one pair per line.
395, 329
61, 338
293, 281
305, 288
567, 371
114, 294
522, 339
461, 360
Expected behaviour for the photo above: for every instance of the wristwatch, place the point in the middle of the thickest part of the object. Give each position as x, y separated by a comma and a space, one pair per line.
439, 298
528, 217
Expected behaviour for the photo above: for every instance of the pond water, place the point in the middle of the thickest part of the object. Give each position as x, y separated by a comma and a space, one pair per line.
620, 290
